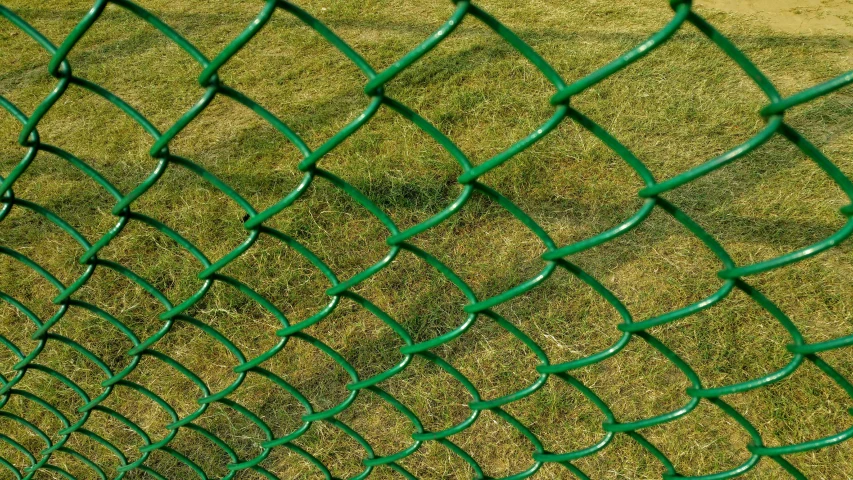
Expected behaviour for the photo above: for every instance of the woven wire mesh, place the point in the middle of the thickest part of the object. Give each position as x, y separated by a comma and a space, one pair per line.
732, 276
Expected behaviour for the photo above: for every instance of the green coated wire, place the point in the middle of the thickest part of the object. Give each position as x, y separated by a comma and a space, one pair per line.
555, 257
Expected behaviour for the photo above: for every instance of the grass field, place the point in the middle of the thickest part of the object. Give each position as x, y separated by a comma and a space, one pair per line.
685, 103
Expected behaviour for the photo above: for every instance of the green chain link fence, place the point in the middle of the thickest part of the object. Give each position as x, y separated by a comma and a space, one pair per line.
478, 309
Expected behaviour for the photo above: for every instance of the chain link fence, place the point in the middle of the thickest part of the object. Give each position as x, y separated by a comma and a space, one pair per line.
733, 277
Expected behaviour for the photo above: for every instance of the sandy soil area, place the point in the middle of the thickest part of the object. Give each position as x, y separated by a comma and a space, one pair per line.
809, 17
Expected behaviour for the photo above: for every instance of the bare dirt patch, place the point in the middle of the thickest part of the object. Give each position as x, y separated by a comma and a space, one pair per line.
802, 17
